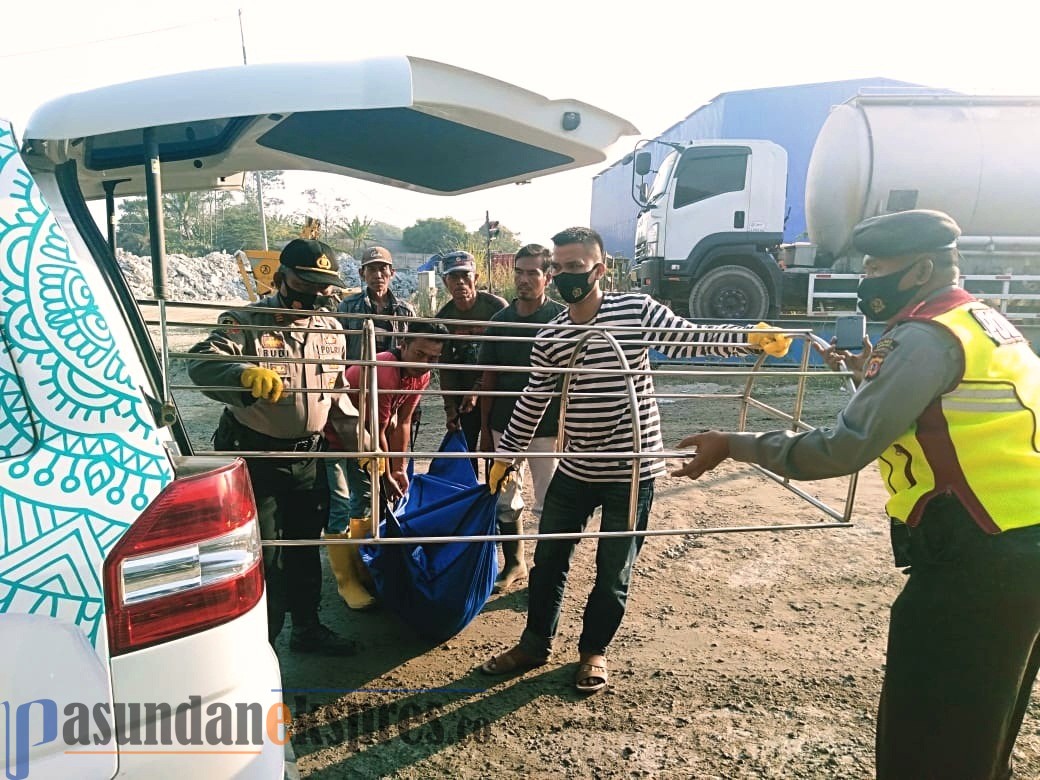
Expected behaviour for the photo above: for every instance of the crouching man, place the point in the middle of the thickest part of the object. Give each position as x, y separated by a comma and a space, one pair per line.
400, 389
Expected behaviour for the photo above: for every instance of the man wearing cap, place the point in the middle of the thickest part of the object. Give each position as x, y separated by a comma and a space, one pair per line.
377, 271
279, 405
375, 300
948, 406
459, 274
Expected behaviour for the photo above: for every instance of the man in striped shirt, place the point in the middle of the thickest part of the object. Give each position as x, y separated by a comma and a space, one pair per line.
598, 421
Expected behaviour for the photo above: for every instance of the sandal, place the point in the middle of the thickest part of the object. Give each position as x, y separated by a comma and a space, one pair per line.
591, 677
512, 660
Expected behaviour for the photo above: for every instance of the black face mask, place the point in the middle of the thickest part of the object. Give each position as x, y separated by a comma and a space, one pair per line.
880, 298
574, 287
297, 300
293, 299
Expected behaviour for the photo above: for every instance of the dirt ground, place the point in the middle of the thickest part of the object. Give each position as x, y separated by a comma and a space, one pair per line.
742, 655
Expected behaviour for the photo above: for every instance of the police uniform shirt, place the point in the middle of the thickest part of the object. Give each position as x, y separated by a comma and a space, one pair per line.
911, 365
295, 415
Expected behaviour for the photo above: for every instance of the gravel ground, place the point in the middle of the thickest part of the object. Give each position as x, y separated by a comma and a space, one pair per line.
743, 655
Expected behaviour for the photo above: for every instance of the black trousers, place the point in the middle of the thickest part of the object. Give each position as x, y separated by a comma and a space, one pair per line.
292, 502
470, 424
963, 650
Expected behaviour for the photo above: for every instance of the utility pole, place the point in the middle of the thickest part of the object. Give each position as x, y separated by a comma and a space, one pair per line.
487, 251
491, 229
256, 174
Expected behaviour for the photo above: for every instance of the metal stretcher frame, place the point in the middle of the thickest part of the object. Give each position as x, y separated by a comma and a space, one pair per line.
369, 401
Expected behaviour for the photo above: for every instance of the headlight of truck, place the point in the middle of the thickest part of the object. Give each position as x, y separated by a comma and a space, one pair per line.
651, 239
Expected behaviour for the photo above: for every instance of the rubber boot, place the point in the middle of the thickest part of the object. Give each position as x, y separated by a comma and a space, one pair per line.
360, 528
514, 570
350, 588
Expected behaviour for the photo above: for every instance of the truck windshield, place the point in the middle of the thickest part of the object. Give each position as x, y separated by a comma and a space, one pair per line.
664, 175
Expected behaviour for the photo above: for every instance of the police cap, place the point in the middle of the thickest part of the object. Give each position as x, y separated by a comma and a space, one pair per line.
313, 261
905, 232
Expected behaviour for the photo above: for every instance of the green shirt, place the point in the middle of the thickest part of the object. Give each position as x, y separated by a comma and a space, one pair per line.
517, 353
464, 352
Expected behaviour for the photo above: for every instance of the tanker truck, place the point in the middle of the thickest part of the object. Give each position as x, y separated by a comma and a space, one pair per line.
710, 229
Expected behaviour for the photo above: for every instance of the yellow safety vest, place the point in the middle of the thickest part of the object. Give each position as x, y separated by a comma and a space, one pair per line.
980, 441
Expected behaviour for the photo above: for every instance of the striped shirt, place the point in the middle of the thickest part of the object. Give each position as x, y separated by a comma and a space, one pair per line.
598, 417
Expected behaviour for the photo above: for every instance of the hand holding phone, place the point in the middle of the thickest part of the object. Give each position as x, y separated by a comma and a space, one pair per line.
849, 332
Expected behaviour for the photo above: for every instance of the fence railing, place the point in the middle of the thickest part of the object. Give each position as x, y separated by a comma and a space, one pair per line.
580, 336
1003, 292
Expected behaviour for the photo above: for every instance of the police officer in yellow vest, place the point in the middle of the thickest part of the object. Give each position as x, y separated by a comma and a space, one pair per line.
263, 412
949, 406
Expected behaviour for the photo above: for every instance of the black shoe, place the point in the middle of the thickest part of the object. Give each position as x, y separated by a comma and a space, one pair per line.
321, 640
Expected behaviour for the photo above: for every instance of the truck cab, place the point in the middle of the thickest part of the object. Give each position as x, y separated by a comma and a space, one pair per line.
708, 225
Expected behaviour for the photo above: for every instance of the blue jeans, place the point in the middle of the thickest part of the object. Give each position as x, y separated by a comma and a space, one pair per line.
350, 493
569, 504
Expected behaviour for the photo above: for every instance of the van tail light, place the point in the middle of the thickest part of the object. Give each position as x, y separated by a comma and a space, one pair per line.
191, 561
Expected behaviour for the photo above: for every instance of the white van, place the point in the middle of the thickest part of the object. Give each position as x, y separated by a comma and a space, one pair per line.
132, 613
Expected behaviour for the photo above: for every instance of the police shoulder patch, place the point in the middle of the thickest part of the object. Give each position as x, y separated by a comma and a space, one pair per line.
877, 356
996, 326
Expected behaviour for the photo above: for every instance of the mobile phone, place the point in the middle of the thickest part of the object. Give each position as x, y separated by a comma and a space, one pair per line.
850, 331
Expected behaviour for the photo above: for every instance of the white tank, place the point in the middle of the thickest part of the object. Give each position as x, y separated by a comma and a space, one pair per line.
976, 158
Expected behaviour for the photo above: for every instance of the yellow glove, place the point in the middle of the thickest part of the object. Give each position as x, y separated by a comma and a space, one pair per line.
775, 344
365, 462
498, 477
263, 382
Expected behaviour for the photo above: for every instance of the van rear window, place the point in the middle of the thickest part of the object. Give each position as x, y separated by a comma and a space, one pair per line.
409, 146
182, 141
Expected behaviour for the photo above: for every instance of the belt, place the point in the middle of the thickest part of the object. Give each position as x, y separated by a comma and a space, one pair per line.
251, 439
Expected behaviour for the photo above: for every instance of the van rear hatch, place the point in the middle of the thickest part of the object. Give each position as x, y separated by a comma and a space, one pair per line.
401, 121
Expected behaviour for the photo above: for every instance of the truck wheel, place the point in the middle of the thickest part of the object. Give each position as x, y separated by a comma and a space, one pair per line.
729, 292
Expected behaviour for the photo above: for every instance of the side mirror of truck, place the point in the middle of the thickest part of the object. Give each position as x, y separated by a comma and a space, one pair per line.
642, 163
644, 192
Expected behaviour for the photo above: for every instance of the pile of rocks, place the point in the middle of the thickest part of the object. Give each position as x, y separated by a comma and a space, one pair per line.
215, 277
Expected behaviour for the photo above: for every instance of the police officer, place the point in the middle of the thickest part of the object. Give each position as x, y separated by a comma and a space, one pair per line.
948, 406
263, 411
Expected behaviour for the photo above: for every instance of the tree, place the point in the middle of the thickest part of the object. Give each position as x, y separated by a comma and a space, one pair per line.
199, 222
132, 226
358, 232
435, 235
185, 222
331, 210
384, 232
506, 241
272, 181
238, 227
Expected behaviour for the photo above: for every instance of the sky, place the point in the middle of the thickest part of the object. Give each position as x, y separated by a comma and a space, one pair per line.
651, 63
